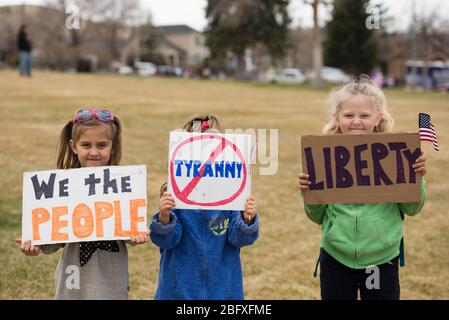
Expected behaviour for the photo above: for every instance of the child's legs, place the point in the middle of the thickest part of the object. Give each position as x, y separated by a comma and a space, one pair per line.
387, 287
337, 281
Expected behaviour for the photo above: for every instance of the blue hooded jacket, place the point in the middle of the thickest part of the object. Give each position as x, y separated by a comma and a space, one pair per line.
200, 254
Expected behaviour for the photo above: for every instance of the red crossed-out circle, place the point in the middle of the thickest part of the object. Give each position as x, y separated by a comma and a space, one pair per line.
184, 194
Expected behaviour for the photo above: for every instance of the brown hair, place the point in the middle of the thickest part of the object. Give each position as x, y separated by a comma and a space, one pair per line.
163, 189
213, 121
67, 159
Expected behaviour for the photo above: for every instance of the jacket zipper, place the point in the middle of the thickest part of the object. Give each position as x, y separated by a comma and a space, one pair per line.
356, 233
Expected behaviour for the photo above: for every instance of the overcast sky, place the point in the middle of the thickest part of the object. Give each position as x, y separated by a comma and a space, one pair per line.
191, 12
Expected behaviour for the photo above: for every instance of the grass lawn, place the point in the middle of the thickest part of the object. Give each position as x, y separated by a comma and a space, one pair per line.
280, 264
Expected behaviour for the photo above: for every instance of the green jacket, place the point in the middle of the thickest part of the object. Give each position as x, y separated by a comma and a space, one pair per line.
362, 235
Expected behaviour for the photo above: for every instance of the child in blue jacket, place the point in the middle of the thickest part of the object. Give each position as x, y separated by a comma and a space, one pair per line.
200, 249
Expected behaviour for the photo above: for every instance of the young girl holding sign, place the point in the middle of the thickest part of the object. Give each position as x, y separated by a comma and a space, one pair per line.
96, 269
360, 236
200, 249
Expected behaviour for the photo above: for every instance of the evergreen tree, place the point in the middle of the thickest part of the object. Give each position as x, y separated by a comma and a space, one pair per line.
349, 44
235, 25
149, 44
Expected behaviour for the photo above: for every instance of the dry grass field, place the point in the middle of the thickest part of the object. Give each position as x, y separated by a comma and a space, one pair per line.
280, 264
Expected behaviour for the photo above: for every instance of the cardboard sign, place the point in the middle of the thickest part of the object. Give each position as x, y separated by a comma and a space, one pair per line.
87, 204
209, 171
366, 168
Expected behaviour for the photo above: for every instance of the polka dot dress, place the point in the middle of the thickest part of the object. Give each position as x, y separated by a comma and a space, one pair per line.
87, 249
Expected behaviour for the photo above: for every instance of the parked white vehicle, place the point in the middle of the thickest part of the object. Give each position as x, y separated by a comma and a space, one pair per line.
289, 75
331, 75
145, 69
125, 70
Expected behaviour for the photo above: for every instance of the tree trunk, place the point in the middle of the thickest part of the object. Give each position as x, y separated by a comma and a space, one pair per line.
240, 71
317, 48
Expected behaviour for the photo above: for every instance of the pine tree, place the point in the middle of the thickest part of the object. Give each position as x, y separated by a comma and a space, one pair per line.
235, 25
349, 44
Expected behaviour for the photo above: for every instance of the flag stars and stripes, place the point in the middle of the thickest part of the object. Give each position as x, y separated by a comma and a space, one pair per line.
427, 130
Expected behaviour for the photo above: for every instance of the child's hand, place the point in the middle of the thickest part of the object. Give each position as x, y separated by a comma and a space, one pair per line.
420, 164
28, 249
250, 210
304, 181
166, 203
140, 239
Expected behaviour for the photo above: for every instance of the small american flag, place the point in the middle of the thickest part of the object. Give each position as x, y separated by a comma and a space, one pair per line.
427, 130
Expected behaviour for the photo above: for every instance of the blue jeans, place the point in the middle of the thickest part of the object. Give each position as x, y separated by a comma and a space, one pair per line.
25, 63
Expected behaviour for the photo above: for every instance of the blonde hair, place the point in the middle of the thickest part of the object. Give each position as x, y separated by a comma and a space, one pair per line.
214, 126
67, 159
362, 86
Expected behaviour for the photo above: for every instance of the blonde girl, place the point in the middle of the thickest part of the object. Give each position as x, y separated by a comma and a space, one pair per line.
358, 236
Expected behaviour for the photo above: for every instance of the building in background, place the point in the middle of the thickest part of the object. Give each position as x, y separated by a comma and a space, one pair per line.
96, 45
100, 45
182, 46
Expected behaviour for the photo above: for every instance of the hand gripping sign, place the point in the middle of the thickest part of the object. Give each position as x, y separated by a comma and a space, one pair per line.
86, 204
209, 171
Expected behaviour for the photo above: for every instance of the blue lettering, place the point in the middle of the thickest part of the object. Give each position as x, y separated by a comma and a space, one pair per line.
178, 164
229, 169
239, 169
196, 166
221, 169
208, 170
188, 165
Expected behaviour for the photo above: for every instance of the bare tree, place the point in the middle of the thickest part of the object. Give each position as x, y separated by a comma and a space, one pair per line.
317, 47
429, 40
119, 20
111, 24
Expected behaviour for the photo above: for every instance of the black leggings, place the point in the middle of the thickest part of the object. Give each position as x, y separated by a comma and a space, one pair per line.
339, 282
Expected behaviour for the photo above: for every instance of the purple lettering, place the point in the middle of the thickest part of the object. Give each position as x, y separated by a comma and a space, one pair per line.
343, 177
398, 146
411, 158
360, 165
328, 167
379, 151
311, 171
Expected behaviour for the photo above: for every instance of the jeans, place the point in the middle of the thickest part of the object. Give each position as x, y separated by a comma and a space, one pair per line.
339, 282
25, 63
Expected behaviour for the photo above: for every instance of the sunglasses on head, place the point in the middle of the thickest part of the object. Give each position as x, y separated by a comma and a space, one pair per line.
84, 115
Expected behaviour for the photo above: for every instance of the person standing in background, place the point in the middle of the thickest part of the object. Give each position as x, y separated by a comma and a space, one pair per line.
25, 47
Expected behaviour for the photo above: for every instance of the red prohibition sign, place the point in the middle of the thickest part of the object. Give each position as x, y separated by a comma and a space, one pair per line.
184, 194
